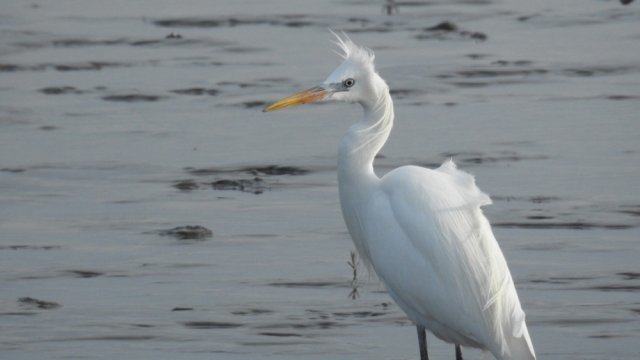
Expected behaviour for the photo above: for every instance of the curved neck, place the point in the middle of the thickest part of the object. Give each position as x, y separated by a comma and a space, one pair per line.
364, 140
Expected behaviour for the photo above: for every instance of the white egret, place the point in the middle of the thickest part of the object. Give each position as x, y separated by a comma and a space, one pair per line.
422, 230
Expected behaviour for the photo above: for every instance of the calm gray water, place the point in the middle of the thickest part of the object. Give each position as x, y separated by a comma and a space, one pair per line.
119, 121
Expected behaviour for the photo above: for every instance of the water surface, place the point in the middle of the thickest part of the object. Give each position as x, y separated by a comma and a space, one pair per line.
120, 122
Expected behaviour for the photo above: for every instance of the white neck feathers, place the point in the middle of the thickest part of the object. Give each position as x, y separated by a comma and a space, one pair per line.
365, 138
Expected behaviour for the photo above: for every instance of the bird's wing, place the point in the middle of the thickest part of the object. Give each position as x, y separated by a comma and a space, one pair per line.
437, 213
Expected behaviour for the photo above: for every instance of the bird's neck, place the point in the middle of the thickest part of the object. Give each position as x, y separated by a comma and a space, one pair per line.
363, 141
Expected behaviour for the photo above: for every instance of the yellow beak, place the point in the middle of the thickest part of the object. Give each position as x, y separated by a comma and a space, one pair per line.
314, 94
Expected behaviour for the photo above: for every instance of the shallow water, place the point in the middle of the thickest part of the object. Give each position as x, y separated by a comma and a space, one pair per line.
121, 121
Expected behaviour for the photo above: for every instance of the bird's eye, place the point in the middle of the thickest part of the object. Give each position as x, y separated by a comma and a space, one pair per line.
349, 82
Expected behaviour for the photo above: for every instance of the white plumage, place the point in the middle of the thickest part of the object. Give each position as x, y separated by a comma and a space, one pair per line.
422, 230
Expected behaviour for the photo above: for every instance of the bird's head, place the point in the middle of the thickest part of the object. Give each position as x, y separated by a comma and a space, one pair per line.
354, 81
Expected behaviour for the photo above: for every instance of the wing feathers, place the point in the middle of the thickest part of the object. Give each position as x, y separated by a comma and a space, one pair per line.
439, 211
466, 184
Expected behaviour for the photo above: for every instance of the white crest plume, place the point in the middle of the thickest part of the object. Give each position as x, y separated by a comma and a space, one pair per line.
353, 52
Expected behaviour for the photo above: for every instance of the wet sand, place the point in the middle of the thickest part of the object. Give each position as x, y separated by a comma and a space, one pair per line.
149, 209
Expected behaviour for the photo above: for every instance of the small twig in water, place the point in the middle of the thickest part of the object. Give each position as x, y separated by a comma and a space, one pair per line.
353, 264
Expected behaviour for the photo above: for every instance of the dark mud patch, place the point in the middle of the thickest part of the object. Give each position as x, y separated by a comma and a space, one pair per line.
252, 312
174, 265
630, 210
87, 66
493, 73
617, 97
500, 72
446, 26
132, 98
584, 322
405, 93
623, 97
244, 85
16, 68
279, 334
206, 325
513, 63
182, 308
629, 275
48, 127
448, 30
81, 42
540, 217
385, 28
171, 39
251, 170
188, 232
14, 171
478, 158
250, 179
525, 18
314, 319
176, 40
60, 90
109, 338
604, 336
186, 185
358, 314
537, 199
252, 104
37, 303
470, 84
310, 284
592, 71
143, 326
30, 247
18, 313
255, 185
614, 287
80, 66
577, 225
306, 325
84, 274
516, 71
477, 56
429, 165
196, 91
276, 170
561, 280
291, 21
244, 49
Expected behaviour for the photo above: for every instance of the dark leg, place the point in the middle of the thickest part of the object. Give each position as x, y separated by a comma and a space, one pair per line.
458, 352
422, 341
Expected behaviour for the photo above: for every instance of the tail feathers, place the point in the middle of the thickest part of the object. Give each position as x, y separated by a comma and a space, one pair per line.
521, 348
